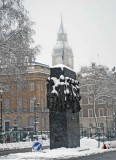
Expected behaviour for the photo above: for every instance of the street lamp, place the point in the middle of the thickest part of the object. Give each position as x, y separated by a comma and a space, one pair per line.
1, 91
15, 125
34, 99
98, 131
43, 111
35, 117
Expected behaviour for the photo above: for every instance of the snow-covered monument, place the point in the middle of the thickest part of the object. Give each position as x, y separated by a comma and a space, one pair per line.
63, 103
63, 96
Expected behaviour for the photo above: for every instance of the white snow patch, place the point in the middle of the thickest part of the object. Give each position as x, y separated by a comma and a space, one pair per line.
62, 66
56, 81
87, 147
62, 77
20, 145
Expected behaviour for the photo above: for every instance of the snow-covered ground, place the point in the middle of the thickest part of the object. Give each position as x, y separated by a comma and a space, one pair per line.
19, 145
88, 146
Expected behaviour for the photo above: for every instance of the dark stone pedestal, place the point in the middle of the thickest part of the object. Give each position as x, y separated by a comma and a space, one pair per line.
64, 130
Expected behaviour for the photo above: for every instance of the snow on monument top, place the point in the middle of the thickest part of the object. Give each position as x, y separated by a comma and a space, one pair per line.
62, 66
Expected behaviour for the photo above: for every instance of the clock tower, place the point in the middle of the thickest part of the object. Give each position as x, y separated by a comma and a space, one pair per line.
62, 53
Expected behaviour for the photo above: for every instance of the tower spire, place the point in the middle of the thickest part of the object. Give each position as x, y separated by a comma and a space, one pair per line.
62, 35
62, 53
61, 29
61, 19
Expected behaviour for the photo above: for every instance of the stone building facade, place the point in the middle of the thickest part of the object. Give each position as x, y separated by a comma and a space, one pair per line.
27, 104
101, 114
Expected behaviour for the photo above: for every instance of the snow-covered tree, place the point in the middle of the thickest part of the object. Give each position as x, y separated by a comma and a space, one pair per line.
101, 86
16, 43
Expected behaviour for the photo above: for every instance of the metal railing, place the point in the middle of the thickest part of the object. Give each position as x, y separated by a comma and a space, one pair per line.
101, 133
18, 136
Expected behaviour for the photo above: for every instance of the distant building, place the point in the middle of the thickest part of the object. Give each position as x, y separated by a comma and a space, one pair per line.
18, 107
62, 53
97, 104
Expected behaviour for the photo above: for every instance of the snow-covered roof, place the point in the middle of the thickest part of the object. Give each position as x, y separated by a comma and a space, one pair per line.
40, 71
40, 64
62, 66
37, 67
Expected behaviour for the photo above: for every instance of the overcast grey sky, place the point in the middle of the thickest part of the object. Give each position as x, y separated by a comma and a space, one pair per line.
90, 26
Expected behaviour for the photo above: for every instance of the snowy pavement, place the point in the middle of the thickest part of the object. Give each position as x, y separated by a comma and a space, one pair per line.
20, 145
87, 147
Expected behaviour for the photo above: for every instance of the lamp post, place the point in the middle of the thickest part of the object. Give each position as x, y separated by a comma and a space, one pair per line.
90, 134
15, 125
103, 134
1, 91
35, 116
34, 99
98, 131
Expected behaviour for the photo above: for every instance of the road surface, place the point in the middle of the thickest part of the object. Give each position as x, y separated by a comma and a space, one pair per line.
101, 156
111, 155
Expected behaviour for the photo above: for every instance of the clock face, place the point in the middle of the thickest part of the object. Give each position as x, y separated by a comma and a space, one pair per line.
58, 60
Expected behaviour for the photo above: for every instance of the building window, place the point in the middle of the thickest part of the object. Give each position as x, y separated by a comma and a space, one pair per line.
90, 112
7, 88
31, 86
101, 113
7, 125
42, 104
81, 113
91, 125
81, 125
41, 86
31, 104
84, 99
101, 125
19, 104
90, 99
19, 122
83, 89
109, 101
43, 122
31, 121
109, 113
19, 86
7, 105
